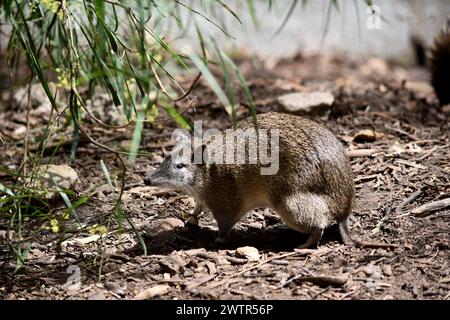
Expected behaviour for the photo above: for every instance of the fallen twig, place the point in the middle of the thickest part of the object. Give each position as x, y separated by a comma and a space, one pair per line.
359, 153
243, 293
322, 280
400, 131
410, 199
431, 206
198, 282
296, 252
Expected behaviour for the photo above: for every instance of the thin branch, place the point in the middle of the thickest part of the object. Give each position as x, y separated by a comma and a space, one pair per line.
100, 122
27, 132
188, 92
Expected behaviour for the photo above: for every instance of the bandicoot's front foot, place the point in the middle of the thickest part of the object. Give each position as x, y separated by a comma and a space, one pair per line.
192, 221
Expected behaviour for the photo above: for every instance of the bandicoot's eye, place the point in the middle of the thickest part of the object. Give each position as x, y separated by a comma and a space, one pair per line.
180, 165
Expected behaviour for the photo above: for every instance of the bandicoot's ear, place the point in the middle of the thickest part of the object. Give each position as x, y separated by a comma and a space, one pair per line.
200, 155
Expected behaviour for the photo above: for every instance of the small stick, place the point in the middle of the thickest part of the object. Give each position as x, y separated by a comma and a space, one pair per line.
100, 122
197, 283
243, 293
319, 280
426, 154
431, 206
359, 153
409, 135
296, 252
236, 261
410, 199
363, 178
27, 132
190, 88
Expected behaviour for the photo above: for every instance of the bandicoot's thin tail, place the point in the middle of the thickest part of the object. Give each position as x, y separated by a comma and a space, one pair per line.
440, 64
348, 241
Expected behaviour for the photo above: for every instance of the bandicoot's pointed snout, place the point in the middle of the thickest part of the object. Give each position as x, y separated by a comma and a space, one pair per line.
153, 179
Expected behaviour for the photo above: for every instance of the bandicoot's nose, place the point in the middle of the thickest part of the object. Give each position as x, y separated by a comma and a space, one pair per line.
148, 181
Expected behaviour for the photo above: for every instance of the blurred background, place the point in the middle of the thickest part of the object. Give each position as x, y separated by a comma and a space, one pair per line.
347, 27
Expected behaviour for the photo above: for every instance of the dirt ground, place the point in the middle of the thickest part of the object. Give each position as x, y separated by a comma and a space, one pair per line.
408, 166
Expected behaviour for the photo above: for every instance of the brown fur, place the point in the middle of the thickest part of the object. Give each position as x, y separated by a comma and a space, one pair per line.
312, 190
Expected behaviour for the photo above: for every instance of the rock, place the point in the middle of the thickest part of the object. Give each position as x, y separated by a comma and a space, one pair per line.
102, 106
372, 271
168, 224
172, 264
306, 102
367, 270
387, 270
255, 225
47, 175
152, 292
250, 253
38, 95
367, 135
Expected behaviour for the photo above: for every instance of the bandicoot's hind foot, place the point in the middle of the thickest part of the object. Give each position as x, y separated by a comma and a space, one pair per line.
192, 221
313, 240
345, 234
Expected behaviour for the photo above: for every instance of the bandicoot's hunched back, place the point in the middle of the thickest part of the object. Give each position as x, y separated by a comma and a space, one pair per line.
312, 189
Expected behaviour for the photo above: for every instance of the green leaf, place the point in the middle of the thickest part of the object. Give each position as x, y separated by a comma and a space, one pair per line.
107, 176
182, 121
137, 135
244, 86
212, 83
6, 190
227, 7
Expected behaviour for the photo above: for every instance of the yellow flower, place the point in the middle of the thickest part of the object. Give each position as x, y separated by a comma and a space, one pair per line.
54, 225
65, 215
152, 113
102, 230
98, 229
53, 6
63, 78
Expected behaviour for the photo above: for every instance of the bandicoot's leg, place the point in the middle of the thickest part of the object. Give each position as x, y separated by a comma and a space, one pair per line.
193, 218
313, 240
345, 234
